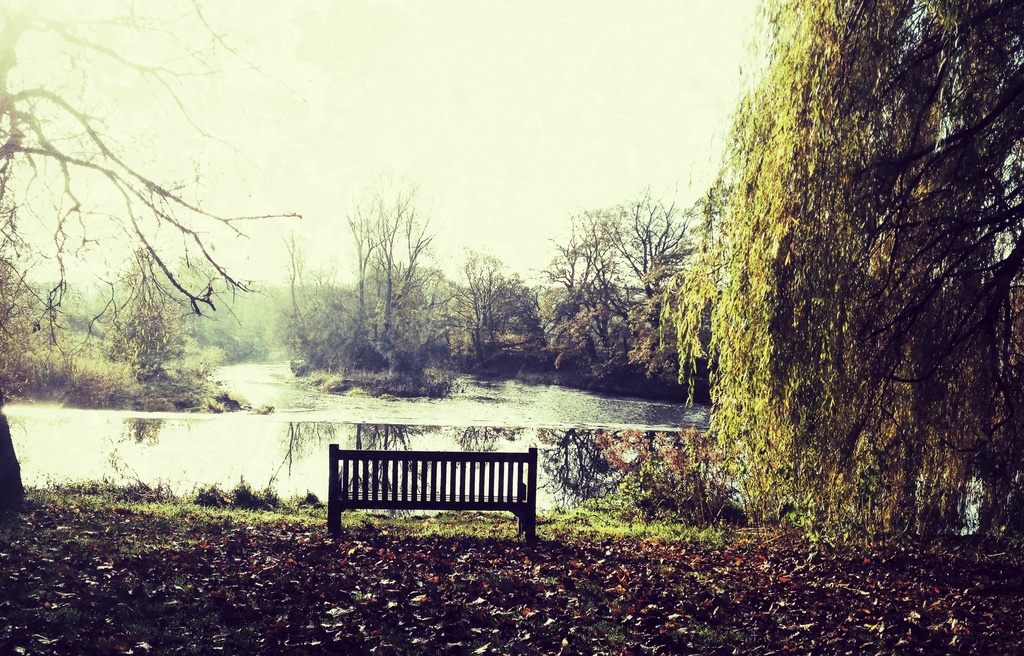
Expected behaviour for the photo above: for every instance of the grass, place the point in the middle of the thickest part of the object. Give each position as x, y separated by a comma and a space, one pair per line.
613, 518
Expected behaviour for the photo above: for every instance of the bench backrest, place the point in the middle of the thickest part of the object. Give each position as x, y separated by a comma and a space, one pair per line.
433, 480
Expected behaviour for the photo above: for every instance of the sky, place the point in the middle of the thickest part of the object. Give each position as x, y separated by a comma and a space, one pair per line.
508, 117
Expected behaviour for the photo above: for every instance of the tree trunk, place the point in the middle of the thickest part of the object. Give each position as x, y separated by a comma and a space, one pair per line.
12, 493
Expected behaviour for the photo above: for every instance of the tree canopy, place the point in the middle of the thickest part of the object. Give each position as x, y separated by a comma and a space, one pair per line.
607, 279
863, 255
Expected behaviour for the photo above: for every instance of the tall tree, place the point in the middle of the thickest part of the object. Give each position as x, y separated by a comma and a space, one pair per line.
496, 312
605, 307
402, 236
319, 324
12, 312
61, 164
865, 268
393, 238
588, 307
654, 241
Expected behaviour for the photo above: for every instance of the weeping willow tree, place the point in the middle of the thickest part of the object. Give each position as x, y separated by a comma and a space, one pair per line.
862, 256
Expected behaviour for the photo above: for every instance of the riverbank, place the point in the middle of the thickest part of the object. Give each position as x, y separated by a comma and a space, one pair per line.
429, 384
164, 394
89, 572
626, 382
439, 383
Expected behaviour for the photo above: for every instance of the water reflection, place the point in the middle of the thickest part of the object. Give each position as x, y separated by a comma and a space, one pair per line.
304, 440
185, 453
574, 466
485, 438
385, 437
142, 430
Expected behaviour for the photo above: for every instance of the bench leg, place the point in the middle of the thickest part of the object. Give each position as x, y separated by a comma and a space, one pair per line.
333, 517
528, 527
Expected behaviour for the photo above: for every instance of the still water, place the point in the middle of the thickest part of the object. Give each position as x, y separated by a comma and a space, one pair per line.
288, 449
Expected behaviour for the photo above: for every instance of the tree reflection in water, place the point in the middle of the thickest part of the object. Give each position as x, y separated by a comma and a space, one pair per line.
387, 437
142, 430
574, 466
308, 439
485, 438
304, 440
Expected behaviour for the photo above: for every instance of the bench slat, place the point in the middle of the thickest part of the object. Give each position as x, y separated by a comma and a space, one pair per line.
433, 480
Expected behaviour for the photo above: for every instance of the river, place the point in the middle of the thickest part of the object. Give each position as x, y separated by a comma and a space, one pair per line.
288, 448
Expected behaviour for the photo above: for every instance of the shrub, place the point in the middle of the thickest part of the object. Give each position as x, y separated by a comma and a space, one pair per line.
200, 363
673, 474
82, 378
137, 491
438, 383
222, 401
243, 496
212, 496
430, 383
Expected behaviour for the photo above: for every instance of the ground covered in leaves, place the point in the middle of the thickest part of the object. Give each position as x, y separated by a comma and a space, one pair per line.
85, 575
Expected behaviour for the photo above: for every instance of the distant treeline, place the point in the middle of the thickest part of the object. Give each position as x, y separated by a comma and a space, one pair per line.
594, 321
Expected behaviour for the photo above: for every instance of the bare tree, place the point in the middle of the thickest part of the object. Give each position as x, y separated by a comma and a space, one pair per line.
402, 237
392, 238
53, 148
364, 236
653, 239
495, 311
604, 309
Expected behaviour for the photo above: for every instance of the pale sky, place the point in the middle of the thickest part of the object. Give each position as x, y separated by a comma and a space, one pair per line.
507, 116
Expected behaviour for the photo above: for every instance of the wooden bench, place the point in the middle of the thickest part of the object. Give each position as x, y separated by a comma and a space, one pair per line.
433, 480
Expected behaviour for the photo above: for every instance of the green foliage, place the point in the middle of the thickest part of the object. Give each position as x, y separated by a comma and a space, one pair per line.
211, 496
321, 329
71, 366
243, 328
125, 346
617, 516
862, 257
311, 501
80, 375
146, 331
199, 363
244, 497
600, 321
